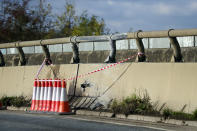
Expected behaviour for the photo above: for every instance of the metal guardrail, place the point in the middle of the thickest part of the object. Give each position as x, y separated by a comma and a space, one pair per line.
162, 34
138, 36
75, 39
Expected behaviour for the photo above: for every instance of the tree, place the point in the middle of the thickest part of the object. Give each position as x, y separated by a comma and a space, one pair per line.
66, 21
45, 20
86, 25
19, 21
14, 20
71, 24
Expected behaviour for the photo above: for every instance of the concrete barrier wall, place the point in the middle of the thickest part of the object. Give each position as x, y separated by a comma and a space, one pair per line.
172, 83
16, 81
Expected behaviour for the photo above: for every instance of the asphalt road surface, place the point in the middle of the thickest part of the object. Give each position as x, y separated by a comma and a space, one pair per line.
20, 121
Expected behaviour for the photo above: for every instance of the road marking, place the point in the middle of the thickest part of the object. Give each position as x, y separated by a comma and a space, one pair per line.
98, 121
118, 123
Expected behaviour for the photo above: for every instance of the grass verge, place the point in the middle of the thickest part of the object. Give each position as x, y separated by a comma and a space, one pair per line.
17, 101
137, 104
134, 104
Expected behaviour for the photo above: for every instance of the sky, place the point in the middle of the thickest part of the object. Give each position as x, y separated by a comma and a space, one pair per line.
147, 15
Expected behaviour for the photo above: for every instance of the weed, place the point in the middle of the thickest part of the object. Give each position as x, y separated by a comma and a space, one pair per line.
182, 115
195, 114
141, 104
134, 104
115, 107
169, 113
16, 101
6, 101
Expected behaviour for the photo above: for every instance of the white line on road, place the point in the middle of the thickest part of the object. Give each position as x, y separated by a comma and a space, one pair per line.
100, 121
118, 123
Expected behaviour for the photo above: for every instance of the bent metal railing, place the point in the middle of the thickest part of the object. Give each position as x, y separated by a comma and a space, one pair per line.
138, 36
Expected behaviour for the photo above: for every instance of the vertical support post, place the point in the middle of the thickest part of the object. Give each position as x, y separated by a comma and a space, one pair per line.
22, 60
112, 56
34, 49
2, 61
47, 55
141, 51
129, 43
46, 51
148, 43
75, 59
176, 48
62, 48
93, 46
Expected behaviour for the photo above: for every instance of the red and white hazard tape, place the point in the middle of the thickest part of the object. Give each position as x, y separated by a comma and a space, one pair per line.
101, 69
43, 63
89, 73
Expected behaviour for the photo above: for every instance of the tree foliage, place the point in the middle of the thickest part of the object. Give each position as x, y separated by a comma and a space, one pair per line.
20, 20
86, 25
80, 25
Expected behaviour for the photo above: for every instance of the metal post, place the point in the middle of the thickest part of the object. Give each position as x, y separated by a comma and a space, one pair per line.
2, 61
112, 56
129, 43
34, 49
141, 52
22, 60
176, 48
46, 51
62, 48
93, 46
75, 59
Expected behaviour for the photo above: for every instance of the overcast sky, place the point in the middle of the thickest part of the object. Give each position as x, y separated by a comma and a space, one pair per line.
121, 15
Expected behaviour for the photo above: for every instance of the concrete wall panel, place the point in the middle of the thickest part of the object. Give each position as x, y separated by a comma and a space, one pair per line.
17, 81
172, 83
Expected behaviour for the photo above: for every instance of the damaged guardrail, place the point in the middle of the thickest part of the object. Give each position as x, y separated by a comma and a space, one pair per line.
138, 36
